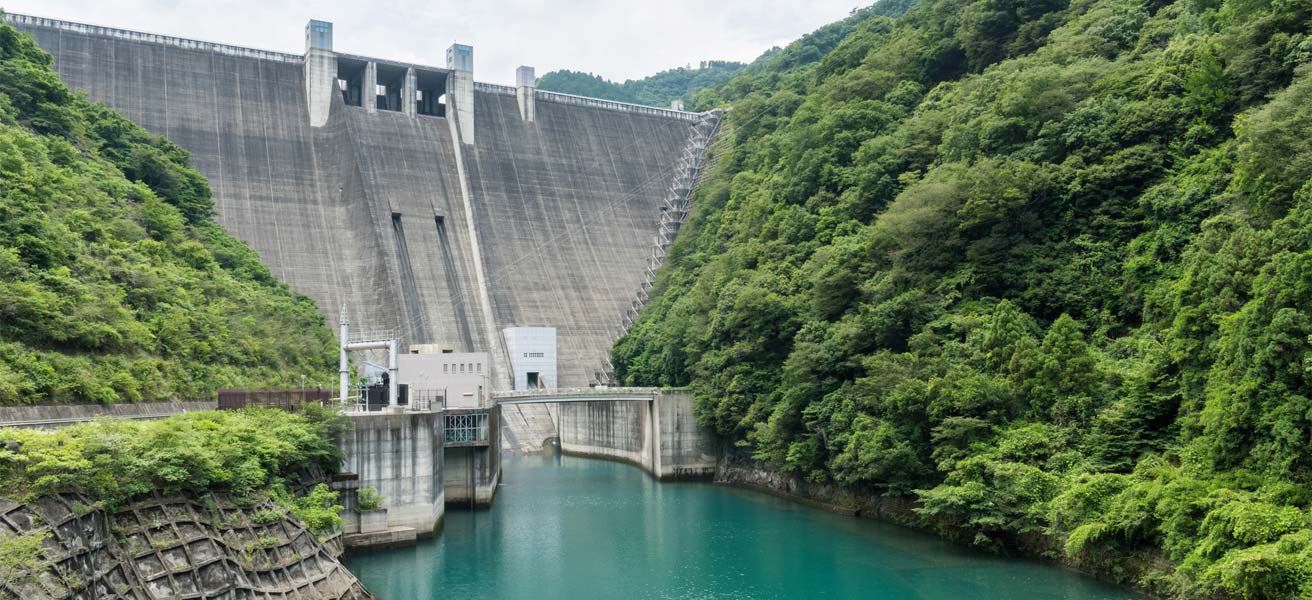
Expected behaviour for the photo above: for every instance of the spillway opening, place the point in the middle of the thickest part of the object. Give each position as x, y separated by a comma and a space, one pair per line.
350, 81
430, 95
391, 82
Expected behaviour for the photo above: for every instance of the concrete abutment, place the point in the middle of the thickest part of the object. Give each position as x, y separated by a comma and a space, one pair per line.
659, 435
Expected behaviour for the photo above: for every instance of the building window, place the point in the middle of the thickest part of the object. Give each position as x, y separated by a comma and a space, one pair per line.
444, 367
480, 367
462, 367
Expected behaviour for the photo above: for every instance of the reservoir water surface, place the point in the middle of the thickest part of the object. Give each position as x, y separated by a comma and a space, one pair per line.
575, 528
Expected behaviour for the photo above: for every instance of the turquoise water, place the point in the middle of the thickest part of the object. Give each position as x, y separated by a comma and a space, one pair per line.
573, 528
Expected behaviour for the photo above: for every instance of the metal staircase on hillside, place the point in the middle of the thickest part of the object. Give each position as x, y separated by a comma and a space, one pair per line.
675, 208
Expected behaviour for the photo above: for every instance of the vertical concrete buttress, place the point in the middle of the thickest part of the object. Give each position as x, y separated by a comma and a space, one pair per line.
408, 88
525, 92
320, 71
369, 90
460, 89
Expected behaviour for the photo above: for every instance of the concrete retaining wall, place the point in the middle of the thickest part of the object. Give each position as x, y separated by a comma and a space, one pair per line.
400, 455
198, 546
62, 414
471, 473
686, 449
660, 436
618, 430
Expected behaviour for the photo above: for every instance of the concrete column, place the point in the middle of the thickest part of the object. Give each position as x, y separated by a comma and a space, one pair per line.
320, 71
460, 90
526, 92
369, 89
408, 93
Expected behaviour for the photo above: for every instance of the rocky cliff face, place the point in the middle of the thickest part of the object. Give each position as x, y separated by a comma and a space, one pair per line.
736, 467
170, 547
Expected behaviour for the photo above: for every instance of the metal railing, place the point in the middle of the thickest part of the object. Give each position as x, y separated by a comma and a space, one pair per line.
365, 400
425, 400
466, 428
674, 210
494, 88
373, 335
152, 38
230, 50
620, 106
290, 399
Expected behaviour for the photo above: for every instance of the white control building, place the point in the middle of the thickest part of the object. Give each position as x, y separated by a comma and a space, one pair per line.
461, 378
532, 353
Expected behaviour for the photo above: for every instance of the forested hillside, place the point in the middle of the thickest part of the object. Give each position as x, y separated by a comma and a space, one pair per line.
115, 282
1043, 265
657, 90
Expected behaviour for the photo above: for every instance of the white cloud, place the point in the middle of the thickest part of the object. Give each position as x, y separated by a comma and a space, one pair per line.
617, 39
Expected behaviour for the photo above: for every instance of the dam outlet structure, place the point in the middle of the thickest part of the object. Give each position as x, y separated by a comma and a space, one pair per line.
451, 208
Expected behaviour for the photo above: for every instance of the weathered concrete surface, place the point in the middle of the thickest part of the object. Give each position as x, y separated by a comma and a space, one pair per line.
390, 537
371, 209
173, 547
529, 428
471, 472
618, 430
400, 456
685, 449
661, 436
476, 466
64, 414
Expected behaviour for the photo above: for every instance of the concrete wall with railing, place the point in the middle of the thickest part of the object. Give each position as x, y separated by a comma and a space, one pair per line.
48, 415
660, 435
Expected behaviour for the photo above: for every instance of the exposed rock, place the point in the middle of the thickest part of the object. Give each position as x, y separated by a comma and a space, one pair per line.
737, 467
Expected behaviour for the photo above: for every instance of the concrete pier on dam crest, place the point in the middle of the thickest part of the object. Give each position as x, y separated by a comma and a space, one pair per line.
438, 207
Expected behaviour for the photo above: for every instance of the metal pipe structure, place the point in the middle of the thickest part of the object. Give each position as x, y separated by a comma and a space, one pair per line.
343, 368
390, 347
392, 386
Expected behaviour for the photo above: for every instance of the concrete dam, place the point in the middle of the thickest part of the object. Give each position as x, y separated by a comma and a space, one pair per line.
436, 207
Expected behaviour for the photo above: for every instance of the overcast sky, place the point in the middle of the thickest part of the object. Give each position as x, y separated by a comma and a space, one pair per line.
617, 39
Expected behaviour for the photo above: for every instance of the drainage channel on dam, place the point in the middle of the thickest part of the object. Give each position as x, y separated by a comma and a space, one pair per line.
575, 528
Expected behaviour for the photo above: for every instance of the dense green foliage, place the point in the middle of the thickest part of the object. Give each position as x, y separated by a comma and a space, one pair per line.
368, 499
657, 90
1045, 265
252, 453
115, 282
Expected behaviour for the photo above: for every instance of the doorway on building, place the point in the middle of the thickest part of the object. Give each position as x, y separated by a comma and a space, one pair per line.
533, 381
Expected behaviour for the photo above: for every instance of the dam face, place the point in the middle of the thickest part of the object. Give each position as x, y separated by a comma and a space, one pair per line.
443, 209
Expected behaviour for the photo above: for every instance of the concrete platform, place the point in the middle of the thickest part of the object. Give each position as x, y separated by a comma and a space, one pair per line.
392, 537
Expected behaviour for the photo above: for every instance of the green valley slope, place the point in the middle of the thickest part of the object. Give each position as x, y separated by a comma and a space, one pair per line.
656, 90
1043, 265
115, 282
